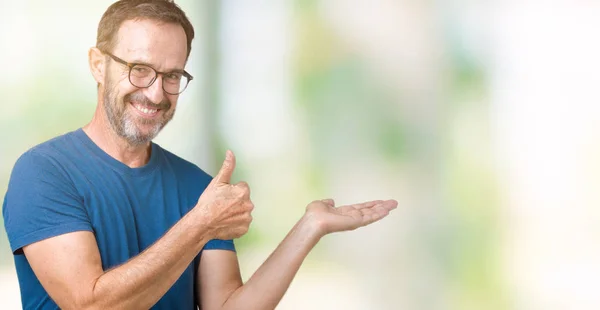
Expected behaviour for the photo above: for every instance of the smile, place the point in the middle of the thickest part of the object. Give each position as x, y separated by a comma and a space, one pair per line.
144, 111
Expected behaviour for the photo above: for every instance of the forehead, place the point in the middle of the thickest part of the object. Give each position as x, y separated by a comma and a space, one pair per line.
163, 45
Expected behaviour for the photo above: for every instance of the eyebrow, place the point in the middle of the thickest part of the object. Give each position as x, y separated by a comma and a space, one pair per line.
141, 62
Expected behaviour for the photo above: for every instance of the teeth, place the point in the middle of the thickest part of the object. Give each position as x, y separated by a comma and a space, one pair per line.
145, 110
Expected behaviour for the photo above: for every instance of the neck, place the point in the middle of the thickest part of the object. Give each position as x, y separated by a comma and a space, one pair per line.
103, 135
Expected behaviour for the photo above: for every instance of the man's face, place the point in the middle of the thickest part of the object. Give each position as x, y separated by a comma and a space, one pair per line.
138, 114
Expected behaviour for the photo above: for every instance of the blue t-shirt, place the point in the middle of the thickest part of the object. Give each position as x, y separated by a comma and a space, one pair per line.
69, 184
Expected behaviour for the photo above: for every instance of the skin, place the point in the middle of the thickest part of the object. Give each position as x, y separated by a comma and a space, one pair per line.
69, 267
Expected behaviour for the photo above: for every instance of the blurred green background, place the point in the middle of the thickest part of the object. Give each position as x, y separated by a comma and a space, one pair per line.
479, 117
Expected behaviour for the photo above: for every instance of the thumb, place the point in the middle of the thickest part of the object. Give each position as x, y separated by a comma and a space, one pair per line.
328, 202
224, 175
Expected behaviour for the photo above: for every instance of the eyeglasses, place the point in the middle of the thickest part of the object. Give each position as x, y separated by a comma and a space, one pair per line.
143, 76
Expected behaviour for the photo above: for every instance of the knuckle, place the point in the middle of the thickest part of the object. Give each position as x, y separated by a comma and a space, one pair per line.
244, 188
240, 232
240, 193
243, 185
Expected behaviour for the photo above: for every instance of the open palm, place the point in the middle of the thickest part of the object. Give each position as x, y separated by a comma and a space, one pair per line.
349, 217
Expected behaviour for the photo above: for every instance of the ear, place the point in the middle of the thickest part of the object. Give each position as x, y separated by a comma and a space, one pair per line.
97, 62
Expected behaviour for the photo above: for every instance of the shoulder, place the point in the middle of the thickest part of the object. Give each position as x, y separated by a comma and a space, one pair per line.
41, 200
44, 158
41, 172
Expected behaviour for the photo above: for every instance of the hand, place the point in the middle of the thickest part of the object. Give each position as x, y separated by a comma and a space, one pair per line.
226, 208
330, 219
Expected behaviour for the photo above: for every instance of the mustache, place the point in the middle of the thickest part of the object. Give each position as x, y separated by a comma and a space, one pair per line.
143, 100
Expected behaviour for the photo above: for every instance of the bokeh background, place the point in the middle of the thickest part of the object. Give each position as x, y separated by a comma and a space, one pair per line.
482, 118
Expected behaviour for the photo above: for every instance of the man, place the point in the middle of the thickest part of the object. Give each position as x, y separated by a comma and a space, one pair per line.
102, 218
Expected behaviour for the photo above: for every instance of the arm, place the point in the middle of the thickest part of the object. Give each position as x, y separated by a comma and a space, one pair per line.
220, 282
74, 278
69, 265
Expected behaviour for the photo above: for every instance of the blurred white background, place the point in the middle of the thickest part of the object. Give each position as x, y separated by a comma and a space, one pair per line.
479, 117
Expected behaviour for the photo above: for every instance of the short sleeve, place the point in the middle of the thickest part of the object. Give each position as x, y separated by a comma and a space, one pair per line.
217, 244
41, 202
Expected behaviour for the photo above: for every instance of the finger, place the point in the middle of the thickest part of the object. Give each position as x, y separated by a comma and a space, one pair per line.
358, 206
381, 210
368, 204
367, 217
328, 202
366, 212
374, 214
244, 188
390, 204
250, 206
224, 175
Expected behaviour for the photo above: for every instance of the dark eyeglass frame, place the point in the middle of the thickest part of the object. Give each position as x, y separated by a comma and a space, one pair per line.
130, 65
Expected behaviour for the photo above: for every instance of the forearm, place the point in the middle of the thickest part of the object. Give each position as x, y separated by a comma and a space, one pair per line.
143, 280
269, 283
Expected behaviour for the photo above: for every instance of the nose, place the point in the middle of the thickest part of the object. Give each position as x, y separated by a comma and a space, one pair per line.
155, 92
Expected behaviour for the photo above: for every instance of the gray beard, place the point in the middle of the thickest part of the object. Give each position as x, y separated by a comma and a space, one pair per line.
124, 124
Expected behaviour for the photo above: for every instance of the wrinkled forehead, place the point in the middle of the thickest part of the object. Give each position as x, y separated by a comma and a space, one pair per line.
163, 45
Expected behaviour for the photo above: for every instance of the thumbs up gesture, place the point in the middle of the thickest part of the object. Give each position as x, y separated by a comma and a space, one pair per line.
226, 207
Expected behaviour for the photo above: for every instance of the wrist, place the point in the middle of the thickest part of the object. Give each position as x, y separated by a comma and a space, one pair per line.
312, 225
202, 223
